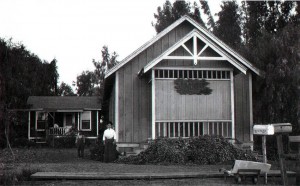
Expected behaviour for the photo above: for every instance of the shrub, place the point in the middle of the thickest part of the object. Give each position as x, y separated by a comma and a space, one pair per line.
199, 150
23, 142
11, 178
97, 151
67, 141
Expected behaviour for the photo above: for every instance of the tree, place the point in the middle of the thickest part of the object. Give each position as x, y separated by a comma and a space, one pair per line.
23, 74
277, 95
171, 12
65, 90
228, 28
206, 9
107, 62
91, 83
269, 16
86, 84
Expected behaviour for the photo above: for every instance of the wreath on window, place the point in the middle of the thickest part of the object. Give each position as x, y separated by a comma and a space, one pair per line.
192, 87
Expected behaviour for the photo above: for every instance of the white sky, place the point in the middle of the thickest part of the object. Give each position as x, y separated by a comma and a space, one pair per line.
74, 31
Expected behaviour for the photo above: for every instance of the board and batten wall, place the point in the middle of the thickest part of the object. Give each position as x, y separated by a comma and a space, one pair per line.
134, 100
243, 107
170, 105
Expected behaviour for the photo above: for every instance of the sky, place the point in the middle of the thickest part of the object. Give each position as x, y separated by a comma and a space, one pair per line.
74, 31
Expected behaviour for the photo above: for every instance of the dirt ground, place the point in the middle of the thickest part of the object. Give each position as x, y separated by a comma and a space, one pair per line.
66, 160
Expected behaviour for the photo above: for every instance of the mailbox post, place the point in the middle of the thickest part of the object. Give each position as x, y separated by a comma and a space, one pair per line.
264, 130
278, 129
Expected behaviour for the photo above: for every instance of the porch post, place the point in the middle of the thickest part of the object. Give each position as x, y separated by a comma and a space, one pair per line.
251, 108
97, 123
78, 121
232, 105
117, 106
29, 125
153, 103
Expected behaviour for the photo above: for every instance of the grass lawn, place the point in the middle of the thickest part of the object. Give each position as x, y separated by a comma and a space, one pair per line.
65, 160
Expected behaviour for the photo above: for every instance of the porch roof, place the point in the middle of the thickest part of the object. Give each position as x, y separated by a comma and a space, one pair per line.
64, 103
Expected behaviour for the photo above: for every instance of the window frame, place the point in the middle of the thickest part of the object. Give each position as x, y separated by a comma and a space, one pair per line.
90, 121
37, 120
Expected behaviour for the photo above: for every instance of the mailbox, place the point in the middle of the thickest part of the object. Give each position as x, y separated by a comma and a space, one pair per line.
263, 130
282, 128
272, 129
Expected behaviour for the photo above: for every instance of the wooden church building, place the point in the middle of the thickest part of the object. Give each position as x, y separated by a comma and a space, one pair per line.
184, 82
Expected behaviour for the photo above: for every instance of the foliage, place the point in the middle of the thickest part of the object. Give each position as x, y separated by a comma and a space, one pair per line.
192, 86
171, 12
210, 19
67, 141
22, 74
228, 27
13, 177
65, 90
97, 151
86, 83
91, 83
22, 142
269, 16
276, 96
199, 150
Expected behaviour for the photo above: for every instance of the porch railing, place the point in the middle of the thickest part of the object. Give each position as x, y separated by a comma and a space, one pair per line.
193, 128
58, 131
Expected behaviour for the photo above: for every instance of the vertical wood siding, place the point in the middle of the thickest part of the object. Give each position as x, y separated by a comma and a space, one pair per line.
242, 107
172, 106
135, 93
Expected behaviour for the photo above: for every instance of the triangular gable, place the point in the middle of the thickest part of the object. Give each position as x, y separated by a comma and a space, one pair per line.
201, 30
201, 44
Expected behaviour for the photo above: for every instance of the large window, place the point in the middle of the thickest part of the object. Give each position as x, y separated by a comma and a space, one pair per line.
41, 118
86, 121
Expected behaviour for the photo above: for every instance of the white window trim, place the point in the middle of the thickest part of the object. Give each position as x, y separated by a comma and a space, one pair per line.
90, 128
36, 121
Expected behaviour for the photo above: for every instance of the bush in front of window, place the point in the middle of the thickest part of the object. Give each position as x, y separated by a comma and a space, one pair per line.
67, 141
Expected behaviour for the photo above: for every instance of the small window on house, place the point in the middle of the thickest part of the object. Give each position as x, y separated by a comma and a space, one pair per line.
190, 74
195, 72
214, 74
41, 118
209, 74
166, 73
86, 121
180, 74
204, 74
200, 72
175, 73
171, 74
161, 73
185, 74
156, 73
219, 75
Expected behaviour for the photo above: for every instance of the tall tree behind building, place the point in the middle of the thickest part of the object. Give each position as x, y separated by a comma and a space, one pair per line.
90, 83
228, 27
171, 12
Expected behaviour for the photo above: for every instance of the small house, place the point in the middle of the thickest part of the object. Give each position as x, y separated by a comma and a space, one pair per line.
59, 115
184, 82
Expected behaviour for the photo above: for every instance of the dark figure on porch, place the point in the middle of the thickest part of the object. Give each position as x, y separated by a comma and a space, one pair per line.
80, 141
109, 139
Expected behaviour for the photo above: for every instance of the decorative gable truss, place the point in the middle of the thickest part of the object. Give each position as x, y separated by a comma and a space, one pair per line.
195, 46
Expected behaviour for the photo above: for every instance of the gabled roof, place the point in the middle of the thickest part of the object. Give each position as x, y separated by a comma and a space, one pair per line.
195, 34
201, 30
64, 103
